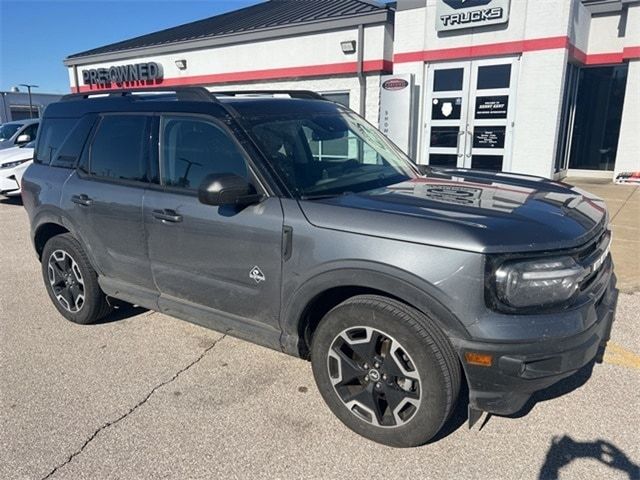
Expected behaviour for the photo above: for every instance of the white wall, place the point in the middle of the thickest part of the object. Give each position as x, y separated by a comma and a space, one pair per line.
537, 119
603, 34
316, 49
628, 156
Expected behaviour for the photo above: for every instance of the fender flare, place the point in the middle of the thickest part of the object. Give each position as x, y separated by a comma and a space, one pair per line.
395, 282
57, 216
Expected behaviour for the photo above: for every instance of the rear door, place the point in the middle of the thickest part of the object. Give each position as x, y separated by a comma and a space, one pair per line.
213, 259
104, 197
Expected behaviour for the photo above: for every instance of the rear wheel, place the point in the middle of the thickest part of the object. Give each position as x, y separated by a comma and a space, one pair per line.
71, 281
386, 370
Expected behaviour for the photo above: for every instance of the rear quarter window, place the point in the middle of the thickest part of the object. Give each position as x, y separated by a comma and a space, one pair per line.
52, 134
72, 147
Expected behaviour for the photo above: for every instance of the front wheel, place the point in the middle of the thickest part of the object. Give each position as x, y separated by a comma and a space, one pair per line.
385, 370
71, 281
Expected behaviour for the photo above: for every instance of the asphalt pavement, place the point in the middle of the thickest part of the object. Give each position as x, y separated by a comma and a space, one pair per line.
143, 395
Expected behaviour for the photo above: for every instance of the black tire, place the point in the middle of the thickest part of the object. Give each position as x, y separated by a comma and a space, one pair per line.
425, 353
94, 305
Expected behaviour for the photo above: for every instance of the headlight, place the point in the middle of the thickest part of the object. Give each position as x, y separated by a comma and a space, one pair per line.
14, 164
541, 282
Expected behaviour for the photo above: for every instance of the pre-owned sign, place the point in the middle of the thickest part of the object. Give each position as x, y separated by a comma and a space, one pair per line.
457, 14
120, 74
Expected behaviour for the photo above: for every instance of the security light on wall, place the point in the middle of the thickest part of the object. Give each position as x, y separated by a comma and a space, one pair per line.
348, 47
181, 64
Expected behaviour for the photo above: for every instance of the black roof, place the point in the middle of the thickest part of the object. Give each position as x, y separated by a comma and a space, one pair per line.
263, 16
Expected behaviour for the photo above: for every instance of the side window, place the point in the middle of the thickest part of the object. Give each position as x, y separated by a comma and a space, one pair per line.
52, 133
192, 148
72, 147
120, 148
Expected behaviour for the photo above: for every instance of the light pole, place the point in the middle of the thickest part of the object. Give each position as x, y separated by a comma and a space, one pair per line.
29, 87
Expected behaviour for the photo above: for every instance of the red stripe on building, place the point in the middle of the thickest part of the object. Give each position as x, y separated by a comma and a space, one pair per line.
486, 50
369, 66
520, 46
629, 53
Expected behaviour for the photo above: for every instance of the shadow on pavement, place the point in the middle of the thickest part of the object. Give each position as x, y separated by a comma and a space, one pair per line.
565, 450
121, 311
11, 200
558, 389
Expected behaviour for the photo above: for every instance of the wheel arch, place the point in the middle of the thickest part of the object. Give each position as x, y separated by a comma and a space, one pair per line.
53, 221
46, 232
313, 299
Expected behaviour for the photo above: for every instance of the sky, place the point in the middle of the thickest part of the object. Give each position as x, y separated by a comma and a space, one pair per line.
36, 35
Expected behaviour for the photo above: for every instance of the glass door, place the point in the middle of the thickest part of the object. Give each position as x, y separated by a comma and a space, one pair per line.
446, 113
470, 114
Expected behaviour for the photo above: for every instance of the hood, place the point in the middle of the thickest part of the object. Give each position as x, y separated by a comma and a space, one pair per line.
465, 210
15, 153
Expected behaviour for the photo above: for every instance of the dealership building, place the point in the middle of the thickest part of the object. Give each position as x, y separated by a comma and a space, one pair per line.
543, 87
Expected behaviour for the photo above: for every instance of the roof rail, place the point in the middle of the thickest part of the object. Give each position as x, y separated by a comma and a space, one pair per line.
303, 94
182, 93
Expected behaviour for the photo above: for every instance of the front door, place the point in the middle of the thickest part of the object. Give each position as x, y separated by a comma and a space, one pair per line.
215, 265
469, 114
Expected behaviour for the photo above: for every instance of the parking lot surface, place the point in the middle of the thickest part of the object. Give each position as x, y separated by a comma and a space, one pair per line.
143, 395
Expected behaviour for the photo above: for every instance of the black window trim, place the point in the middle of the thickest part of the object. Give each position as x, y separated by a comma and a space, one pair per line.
255, 177
87, 175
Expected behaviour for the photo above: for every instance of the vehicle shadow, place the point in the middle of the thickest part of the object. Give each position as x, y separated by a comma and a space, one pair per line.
558, 389
11, 200
460, 414
565, 450
121, 311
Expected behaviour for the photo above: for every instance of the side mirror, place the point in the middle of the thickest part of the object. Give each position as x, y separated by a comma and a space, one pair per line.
227, 189
24, 138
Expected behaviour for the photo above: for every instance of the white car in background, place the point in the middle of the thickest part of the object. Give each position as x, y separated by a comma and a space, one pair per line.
13, 163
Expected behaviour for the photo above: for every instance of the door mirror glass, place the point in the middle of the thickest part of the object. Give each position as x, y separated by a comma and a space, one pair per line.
220, 189
24, 138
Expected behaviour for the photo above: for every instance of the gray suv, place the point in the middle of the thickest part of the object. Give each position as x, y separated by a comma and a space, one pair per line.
289, 221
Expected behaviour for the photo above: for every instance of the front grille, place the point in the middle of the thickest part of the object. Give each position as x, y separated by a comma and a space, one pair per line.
592, 257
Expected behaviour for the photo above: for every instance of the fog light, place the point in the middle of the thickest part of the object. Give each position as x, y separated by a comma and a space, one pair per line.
480, 359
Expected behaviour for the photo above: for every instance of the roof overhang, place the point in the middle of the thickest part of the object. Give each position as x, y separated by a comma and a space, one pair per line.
607, 6
377, 17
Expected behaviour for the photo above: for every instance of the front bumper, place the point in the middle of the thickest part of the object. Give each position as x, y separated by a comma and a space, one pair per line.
520, 369
9, 181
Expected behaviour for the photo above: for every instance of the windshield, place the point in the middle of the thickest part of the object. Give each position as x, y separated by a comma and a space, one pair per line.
8, 130
329, 153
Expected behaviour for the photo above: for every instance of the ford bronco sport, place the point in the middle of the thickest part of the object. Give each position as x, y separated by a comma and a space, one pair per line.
289, 221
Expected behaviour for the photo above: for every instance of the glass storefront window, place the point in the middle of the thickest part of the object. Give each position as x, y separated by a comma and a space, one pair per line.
448, 79
494, 76
596, 127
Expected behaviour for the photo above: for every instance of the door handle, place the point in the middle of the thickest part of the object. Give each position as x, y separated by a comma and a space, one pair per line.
460, 134
167, 215
82, 199
469, 144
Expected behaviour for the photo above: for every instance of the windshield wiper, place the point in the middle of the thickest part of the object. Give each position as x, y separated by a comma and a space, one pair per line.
321, 196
